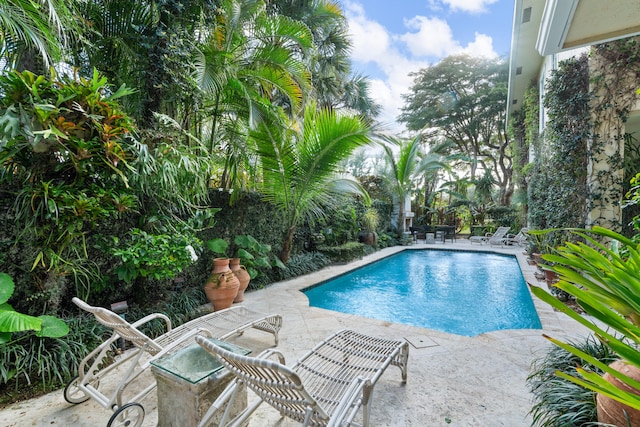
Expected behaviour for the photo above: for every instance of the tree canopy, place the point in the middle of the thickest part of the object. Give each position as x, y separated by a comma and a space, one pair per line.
464, 98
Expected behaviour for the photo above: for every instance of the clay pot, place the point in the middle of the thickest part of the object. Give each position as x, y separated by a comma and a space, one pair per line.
243, 277
222, 286
537, 258
551, 277
611, 411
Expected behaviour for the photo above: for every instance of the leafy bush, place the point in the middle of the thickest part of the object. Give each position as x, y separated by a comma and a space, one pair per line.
343, 253
12, 321
504, 216
46, 363
386, 240
160, 256
559, 402
303, 263
68, 144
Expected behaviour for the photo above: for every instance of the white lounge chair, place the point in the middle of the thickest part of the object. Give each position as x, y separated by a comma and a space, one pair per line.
499, 237
96, 365
496, 238
326, 387
519, 239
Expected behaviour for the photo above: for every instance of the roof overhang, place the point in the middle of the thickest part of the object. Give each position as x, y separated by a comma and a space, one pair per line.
545, 27
568, 24
525, 61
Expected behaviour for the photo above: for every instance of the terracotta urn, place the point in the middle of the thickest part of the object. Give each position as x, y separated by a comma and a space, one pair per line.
222, 286
611, 411
551, 277
243, 277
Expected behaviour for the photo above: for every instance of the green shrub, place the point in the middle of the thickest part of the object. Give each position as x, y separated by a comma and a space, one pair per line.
344, 253
559, 402
303, 263
46, 363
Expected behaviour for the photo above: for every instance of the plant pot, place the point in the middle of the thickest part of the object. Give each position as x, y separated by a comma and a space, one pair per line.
368, 238
222, 286
611, 411
551, 277
537, 258
243, 277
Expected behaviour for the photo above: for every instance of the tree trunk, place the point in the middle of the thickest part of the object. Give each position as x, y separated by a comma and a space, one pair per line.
286, 248
401, 217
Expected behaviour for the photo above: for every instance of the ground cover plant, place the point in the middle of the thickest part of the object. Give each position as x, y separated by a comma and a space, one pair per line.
557, 401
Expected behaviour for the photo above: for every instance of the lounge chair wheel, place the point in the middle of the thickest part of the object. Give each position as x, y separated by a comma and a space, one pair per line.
73, 394
129, 415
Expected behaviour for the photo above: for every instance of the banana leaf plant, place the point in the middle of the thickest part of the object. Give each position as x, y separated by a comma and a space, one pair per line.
12, 321
606, 283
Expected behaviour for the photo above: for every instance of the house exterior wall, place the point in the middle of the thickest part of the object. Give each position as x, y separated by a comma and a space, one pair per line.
614, 101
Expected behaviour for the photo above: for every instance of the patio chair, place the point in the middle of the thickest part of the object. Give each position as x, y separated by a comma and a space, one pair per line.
326, 387
519, 239
479, 239
130, 364
499, 237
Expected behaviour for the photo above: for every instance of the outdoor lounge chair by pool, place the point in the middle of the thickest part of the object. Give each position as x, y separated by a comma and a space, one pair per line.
95, 366
519, 239
497, 238
326, 387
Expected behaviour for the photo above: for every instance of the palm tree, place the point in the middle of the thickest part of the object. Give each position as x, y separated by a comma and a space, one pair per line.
300, 164
333, 83
402, 169
248, 64
28, 26
115, 45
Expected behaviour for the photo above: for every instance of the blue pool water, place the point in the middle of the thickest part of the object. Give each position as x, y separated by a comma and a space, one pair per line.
464, 293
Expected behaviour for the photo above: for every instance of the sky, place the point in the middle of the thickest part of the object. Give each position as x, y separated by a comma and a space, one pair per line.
392, 39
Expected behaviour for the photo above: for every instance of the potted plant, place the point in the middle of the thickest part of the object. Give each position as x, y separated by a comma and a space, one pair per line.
370, 221
606, 283
249, 256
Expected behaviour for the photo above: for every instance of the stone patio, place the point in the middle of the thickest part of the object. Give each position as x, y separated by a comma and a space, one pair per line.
452, 380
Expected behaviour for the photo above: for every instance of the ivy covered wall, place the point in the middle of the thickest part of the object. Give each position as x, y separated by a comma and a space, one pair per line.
615, 78
583, 161
557, 177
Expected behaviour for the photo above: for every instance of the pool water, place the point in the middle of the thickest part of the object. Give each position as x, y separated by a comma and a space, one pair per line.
464, 293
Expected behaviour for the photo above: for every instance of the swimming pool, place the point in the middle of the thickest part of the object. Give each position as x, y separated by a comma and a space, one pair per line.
464, 293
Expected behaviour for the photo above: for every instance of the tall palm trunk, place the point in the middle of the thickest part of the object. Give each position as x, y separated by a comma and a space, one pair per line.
401, 217
285, 254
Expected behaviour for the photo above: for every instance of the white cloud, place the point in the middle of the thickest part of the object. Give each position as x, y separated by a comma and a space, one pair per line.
395, 56
433, 38
471, 6
429, 37
370, 40
481, 46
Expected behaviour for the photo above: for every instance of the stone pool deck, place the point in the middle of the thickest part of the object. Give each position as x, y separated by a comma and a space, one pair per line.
452, 380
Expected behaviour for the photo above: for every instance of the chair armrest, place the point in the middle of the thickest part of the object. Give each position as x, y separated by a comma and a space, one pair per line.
272, 352
359, 388
151, 317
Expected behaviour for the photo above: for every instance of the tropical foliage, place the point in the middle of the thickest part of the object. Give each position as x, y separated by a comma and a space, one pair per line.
12, 321
606, 283
300, 167
557, 401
